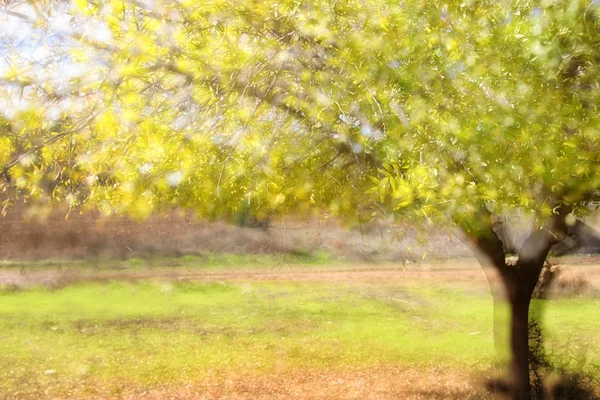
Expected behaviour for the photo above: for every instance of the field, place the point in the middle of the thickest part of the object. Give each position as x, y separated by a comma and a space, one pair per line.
184, 328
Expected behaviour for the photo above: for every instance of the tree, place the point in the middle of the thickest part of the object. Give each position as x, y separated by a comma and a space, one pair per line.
454, 113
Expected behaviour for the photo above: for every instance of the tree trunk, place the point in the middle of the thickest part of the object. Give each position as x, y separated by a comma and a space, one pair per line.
518, 279
520, 282
519, 346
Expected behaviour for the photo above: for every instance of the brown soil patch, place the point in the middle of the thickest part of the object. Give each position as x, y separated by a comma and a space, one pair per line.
378, 383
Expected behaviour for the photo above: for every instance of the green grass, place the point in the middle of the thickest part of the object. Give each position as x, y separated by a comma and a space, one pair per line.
147, 334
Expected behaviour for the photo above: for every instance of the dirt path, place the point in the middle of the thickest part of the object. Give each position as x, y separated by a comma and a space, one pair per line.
346, 273
459, 271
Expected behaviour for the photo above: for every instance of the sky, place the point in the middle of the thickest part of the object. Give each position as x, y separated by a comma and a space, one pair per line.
38, 47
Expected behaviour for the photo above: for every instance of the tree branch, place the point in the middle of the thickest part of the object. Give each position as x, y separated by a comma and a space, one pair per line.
538, 244
535, 250
483, 240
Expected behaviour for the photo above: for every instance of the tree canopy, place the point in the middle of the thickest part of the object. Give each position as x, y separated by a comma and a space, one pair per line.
432, 108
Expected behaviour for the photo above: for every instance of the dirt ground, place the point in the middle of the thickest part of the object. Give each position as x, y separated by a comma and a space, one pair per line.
380, 383
357, 272
450, 271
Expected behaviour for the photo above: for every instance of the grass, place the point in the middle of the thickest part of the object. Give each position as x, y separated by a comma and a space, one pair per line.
117, 334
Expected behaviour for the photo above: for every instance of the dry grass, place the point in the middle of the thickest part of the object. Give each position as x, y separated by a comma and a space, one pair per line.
380, 383
87, 236
572, 284
376, 384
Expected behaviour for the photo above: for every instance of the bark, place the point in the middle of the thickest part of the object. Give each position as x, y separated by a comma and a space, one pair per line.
520, 285
519, 346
